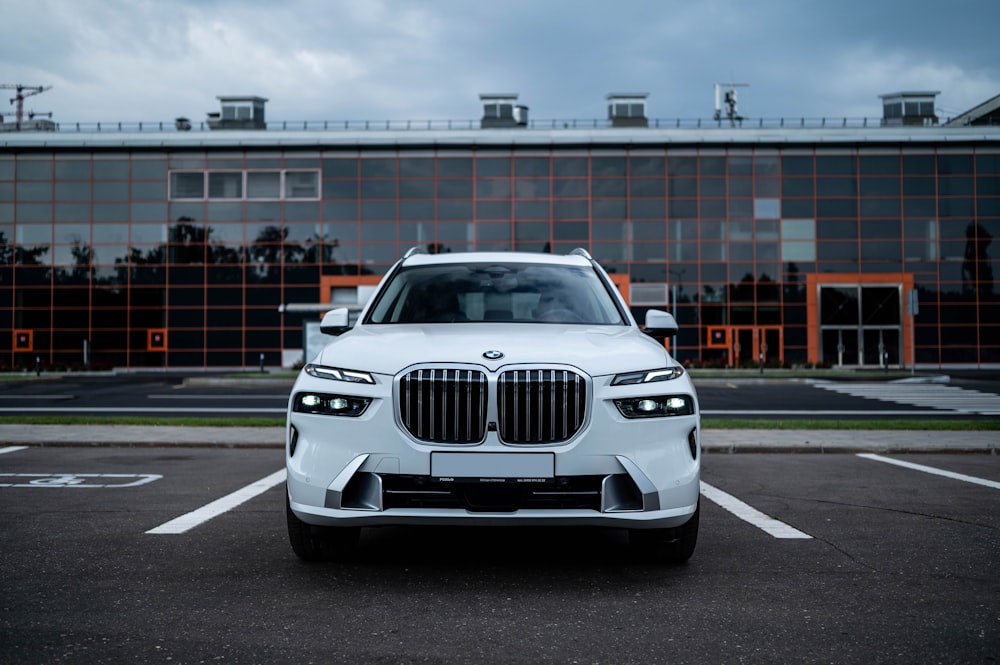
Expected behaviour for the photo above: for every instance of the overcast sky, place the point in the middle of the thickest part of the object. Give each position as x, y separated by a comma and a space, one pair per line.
154, 60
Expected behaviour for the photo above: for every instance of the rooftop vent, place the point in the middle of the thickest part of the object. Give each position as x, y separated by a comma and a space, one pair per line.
239, 112
502, 110
627, 109
909, 108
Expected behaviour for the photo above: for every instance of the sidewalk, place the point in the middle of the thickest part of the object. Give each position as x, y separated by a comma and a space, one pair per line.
713, 440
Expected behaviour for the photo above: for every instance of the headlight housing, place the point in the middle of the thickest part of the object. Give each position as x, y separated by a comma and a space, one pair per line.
657, 406
648, 376
324, 404
338, 374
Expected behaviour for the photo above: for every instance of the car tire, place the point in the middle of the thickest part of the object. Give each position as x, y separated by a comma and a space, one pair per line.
320, 543
672, 546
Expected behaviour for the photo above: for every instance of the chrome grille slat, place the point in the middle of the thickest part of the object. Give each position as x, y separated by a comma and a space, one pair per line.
552, 406
534, 406
445, 405
530, 399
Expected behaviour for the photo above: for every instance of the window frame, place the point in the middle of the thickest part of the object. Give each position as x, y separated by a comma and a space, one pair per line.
283, 186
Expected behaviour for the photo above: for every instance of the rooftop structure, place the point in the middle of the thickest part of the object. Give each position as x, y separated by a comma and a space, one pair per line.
909, 108
239, 112
502, 110
985, 114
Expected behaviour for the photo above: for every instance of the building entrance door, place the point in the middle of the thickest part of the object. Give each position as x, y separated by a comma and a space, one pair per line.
881, 347
840, 346
860, 324
857, 320
753, 345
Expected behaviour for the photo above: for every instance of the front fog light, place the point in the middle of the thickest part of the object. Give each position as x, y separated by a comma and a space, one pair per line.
646, 405
661, 406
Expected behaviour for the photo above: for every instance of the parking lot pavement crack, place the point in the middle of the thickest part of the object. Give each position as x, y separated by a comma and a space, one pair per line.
847, 555
899, 511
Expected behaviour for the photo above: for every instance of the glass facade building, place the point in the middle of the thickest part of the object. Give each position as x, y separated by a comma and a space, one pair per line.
829, 246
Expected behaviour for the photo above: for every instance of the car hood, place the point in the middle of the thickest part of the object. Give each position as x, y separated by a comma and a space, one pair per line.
597, 350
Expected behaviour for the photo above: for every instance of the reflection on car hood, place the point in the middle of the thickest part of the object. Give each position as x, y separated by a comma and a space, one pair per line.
597, 350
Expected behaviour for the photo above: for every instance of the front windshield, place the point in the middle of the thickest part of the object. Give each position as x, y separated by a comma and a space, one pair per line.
491, 292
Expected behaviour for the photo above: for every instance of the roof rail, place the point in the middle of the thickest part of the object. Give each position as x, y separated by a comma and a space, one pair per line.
580, 251
417, 249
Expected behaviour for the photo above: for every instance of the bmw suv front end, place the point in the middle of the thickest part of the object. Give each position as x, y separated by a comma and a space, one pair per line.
501, 410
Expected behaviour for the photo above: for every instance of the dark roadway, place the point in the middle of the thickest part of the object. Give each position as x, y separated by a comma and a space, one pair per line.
969, 394
899, 566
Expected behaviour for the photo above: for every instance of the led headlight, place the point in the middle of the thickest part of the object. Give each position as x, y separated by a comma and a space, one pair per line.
659, 406
337, 374
330, 405
648, 376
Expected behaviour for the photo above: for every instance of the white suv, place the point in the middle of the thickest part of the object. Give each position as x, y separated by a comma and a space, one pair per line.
495, 389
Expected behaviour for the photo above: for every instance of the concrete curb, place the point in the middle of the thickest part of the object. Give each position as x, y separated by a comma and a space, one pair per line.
713, 440
849, 441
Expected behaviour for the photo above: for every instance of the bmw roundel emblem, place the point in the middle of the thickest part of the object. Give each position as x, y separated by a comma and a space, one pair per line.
493, 354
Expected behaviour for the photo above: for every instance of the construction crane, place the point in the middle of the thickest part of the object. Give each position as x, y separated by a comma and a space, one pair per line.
22, 91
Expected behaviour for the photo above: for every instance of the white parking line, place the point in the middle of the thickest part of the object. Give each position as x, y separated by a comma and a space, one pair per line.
12, 449
219, 506
930, 469
750, 514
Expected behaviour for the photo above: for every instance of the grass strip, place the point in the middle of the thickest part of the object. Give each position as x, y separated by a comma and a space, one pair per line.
923, 425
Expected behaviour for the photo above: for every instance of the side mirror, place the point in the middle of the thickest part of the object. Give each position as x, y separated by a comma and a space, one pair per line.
660, 324
335, 322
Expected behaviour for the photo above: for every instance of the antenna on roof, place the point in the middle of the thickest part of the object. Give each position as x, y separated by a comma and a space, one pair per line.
730, 100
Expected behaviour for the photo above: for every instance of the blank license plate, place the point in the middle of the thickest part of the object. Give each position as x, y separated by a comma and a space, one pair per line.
489, 466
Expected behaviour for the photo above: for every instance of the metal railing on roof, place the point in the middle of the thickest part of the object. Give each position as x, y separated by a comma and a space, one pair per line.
447, 125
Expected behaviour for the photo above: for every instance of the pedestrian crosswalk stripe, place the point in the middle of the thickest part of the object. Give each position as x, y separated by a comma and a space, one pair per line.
932, 396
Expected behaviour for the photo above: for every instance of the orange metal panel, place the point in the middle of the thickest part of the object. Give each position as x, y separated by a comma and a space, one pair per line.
328, 282
718, 337
24, 340
156, 339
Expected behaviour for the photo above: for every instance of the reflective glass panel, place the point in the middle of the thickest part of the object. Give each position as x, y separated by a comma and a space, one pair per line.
301, 184
263, 184
225, 185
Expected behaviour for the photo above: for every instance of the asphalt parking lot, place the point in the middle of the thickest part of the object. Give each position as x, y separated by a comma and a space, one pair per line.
174, 554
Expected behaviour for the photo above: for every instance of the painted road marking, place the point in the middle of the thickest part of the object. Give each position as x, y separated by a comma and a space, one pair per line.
82, 480
930, 396
12, 449
201, 515
750, 514
930, 469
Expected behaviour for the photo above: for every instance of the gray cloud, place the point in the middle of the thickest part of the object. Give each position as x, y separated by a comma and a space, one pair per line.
139, 60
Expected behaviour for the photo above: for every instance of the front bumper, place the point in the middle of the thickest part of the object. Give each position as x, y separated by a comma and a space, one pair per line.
369, 471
